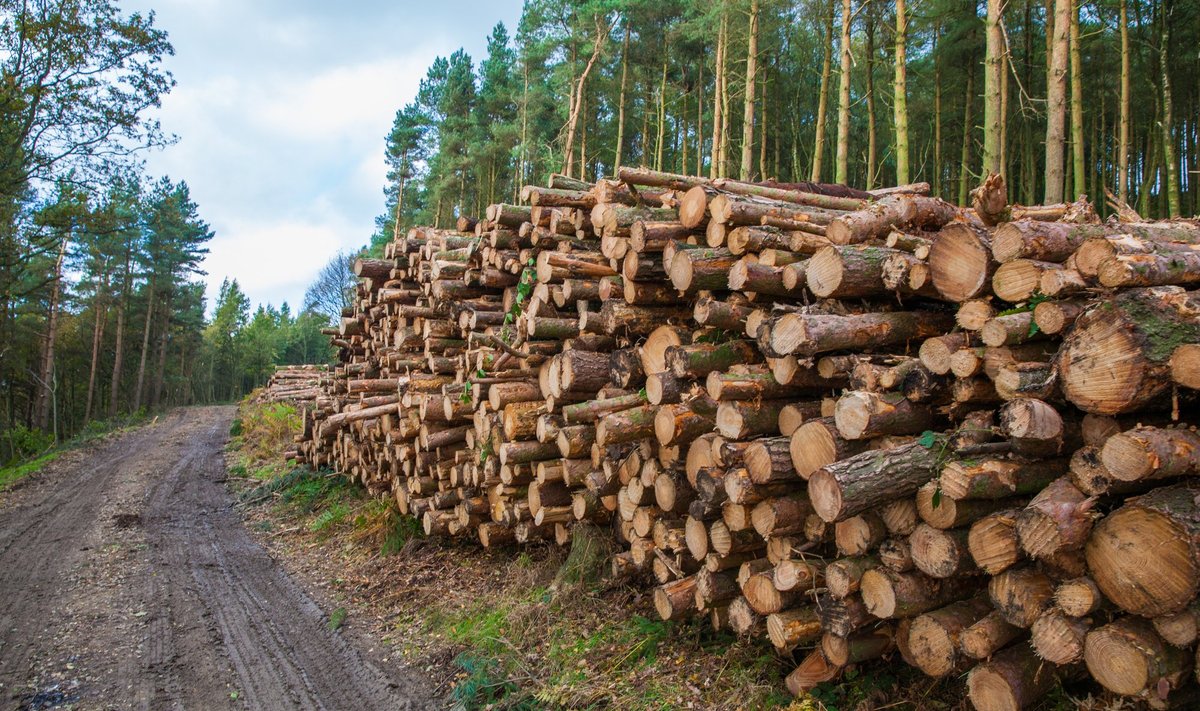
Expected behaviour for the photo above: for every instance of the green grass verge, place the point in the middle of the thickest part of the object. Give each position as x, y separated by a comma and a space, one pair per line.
11, 475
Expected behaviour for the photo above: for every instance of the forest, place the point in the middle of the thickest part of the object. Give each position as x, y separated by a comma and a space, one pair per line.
102, 310
1062, 97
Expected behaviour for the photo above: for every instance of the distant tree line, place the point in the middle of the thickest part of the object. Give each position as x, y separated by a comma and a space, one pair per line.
1063, 97
102, 312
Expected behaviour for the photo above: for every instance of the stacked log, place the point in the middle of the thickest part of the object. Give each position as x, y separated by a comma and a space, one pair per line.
856, 425
297, 384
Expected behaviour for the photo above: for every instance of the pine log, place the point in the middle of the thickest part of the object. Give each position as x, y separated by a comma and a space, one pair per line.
1128, 657
1116, 359
1145, 556
1152, 453
992, 478
1013, 679
853, 485
987, 636
888, 594
941, 553
877, 220
1021, 595
1058, 519
788, 629
812, 334
862, 415
960, 262
934, 637
818, 443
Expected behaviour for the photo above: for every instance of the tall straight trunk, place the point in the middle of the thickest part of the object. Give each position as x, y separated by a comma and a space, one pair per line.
621, 99
842, 166
823, 99
714, 168
727, 123
522, 167
699, 119
900, 94
662, 118
119, 339
1005, 70
141, 378
1028, 169
1078, 170
1056, 101
46, 390
1168, 140
964, 166
993, 71
161, 366
100, 312
937, 110
748, 111
583, 136
870, 99
762, 124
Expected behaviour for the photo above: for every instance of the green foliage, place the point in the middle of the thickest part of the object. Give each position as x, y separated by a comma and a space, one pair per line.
11, 475
20, 443
330, 517
336, 618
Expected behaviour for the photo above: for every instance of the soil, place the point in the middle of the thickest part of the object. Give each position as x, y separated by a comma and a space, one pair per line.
128, 580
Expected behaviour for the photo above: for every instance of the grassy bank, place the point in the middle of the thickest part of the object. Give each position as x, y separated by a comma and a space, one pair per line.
40, 452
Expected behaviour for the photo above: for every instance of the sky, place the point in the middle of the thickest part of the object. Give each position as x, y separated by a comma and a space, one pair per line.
281, 109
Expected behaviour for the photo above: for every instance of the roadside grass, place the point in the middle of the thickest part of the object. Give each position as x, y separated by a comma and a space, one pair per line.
11, 475
36, 450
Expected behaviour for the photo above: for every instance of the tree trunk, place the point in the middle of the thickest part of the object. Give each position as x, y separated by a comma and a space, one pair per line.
576, 101
141, 378
1168, 140
47, 388
119, 339
621, 99
842, 167
1123, 141
823, 99
1056, 100
872, 144
714, 168
748, 114
992, 78
160, 368
964, 164
900, 94
100, 314
937, 110
1078, 169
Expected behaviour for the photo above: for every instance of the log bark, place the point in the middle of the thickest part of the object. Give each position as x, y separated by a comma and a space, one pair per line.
809, 335
851, 486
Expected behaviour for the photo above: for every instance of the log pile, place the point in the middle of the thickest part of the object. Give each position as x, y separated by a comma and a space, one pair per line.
857, 425
297, 384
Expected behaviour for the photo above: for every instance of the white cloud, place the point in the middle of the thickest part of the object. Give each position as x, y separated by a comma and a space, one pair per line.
282, 109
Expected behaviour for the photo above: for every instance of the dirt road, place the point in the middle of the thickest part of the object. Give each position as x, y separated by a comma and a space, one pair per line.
127, 580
